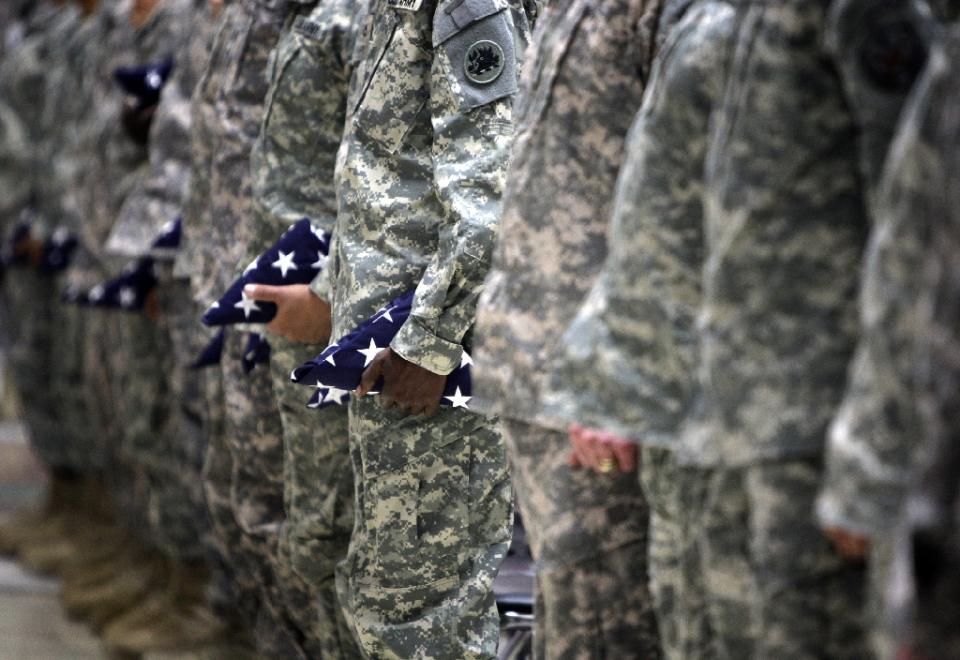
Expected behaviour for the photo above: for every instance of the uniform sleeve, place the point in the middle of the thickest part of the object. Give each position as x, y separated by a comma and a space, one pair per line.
473, 77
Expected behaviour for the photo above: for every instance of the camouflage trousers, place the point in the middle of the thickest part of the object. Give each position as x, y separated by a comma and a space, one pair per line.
318, 496
433, 522
243, 479
676, 496
588, 535
775, 587
33, 322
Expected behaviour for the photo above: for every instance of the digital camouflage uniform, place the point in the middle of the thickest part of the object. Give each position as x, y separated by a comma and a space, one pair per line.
583, 81
880, 429
787, 216
32, 300
293, 168
243, 472
173, 455
627, 358
919, 202
419, 180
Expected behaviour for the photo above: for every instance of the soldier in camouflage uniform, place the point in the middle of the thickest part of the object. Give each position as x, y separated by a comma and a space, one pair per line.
293, 168
626, 365
787, 215
243, 472
584, 78
419, 180
877, 432
39, 82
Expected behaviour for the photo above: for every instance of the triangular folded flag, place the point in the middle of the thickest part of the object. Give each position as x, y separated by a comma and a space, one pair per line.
167, 243
58, 251
144, 83
128, 291
341, 365
212, 353
12, 252
256, 352
296, 258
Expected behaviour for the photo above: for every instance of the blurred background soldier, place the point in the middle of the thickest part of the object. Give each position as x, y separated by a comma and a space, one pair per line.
628, 356
243, 471
584, 77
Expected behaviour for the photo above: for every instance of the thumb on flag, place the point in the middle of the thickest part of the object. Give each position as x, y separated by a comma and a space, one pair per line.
265, 292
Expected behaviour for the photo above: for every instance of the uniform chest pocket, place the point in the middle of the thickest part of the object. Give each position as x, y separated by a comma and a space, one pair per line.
394, 83
283, 56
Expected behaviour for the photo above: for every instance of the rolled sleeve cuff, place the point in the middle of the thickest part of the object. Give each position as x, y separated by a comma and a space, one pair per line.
416, 342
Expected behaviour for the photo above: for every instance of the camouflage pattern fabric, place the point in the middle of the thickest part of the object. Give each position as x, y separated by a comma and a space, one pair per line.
874, 432
778, 326
775, 586
589, 540
677, 496
293, 177
583, 79
293, 160
433, 525
628, 355
245, 487
420, 175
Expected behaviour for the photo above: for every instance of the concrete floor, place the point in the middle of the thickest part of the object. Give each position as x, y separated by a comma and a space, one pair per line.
32, 627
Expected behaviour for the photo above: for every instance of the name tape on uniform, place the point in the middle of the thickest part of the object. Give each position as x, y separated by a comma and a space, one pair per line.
306, 27
406, 5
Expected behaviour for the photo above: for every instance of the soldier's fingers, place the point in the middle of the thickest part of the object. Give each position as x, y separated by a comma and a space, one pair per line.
625, 452
572, 460
370, 378
265, 292
586, 452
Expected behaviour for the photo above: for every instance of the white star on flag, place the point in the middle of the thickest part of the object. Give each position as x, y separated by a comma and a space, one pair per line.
168, 226
96, 293
127, 297
386, 314
319, 233
329, 358
321, 261
458, 400
370, 352
248, 305
285, 263
335, 395
252, 266
466, 361
61, 235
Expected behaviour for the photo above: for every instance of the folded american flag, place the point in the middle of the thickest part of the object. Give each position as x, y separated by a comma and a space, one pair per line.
57, 251
256, 352
212, 353
167, 243
13, 252
296, 258
144, 83
339, 368
128, 291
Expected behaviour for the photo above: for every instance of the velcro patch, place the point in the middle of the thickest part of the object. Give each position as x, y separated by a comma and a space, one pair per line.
406, 5
304, 26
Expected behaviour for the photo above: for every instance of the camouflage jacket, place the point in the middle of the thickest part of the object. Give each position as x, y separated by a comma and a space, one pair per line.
628, 355
921, 199
583, 80
786, 224
227, 115
422, 167
294, 158
875, 432
159, 195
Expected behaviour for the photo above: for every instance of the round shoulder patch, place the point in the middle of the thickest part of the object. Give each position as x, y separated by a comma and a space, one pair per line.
483, 62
